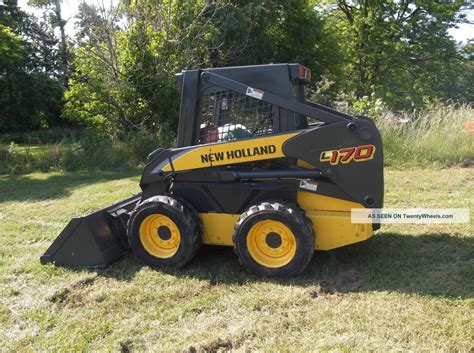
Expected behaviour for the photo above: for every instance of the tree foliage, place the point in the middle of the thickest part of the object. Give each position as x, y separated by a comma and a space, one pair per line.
399, 50
119, 74
30, 94
53, 13
127, 57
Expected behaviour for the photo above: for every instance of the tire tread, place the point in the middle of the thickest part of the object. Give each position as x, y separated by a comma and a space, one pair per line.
292, 210
191, 217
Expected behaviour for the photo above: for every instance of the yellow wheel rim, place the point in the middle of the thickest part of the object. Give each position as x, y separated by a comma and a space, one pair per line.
160, 236
271, 243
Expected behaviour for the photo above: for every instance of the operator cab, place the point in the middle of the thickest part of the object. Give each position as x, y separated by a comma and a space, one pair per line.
212, 114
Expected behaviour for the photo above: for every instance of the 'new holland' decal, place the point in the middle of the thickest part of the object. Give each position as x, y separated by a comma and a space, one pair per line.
238, 153
224, 153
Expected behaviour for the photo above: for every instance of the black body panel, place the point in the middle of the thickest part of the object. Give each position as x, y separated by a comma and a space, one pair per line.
363, 181
232, 197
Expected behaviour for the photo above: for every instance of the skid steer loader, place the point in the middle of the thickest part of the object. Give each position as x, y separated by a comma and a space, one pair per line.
257, 167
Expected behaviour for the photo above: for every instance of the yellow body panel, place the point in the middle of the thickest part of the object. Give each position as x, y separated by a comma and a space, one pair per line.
334, 229
226, 153
310, 201
331, 219
218, 228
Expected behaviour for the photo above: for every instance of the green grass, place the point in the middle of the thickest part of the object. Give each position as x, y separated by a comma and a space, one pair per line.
410, 287
36, 150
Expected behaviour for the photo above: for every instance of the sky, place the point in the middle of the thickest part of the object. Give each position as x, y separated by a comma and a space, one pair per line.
69, 9
464, 31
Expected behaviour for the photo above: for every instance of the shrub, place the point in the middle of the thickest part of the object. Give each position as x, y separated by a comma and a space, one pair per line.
141, 143
93, 151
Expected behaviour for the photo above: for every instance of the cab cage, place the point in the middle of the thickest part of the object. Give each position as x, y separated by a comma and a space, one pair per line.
230, 103
227, 115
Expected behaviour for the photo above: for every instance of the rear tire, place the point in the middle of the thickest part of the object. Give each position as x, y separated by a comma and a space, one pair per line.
164, 232
274, 239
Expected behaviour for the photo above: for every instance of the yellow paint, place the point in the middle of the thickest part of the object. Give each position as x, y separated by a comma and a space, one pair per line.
152, 242
219, 228
310, 201
331, 219
266, 255
225, 153
303, 164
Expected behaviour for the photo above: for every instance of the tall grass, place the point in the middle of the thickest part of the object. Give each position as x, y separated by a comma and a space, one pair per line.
28, 158
437, 136
89, 151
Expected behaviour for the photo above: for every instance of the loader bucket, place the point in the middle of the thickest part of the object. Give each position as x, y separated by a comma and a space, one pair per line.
95, 240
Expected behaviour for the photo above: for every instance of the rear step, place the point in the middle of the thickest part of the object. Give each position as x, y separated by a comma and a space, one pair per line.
95, 240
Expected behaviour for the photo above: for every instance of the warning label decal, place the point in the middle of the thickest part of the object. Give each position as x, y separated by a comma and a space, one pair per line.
254, 92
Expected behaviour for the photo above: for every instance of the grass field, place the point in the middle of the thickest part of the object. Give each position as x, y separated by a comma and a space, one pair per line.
410, 287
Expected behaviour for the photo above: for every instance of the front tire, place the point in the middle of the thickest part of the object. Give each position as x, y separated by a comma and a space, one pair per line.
274, 239
164, 232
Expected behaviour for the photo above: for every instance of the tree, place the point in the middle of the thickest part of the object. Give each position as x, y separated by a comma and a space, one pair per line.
396, 50
30, 96
100, 94
127, 56
56, 21
11, 48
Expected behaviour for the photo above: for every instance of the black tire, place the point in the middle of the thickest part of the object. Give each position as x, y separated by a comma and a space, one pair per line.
292, 217
184, 217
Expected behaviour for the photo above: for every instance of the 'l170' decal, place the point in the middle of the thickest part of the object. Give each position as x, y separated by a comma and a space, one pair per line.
349, 154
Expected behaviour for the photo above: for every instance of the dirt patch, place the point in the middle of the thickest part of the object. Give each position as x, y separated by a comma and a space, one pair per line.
216, 345
348, 281
75, 293
126, 346
222, 344
214, 282
345, 282
466, 164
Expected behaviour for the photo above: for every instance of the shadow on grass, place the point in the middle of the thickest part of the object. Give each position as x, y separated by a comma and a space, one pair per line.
54, 186
431, 264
